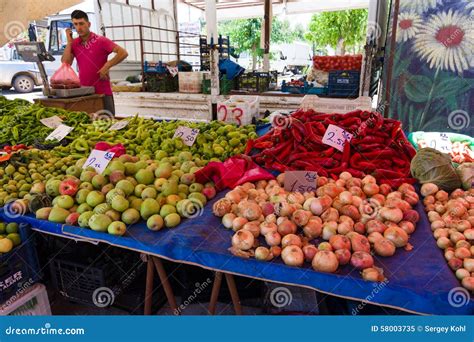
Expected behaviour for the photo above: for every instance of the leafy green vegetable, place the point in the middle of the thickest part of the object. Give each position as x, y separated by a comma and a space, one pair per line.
432, 166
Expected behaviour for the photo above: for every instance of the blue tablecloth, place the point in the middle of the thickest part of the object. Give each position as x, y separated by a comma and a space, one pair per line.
418, 281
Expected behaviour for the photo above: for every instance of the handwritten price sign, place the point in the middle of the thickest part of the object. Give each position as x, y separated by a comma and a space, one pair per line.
336, 137
98, 160
229, 114
300, 181
52, 122
187, 135
59, 133
438, 141
119, 125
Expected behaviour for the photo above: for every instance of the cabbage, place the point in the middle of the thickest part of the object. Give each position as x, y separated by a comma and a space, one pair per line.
432, 166
466, 174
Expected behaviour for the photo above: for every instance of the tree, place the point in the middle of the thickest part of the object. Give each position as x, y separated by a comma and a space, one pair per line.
245, 34
340, 29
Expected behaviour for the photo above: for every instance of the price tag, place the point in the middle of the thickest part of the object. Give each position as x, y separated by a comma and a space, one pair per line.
99, 160
172, 70
188, 135
119, 125
336, 137
300, 181
52, 122
438, 141
59, 133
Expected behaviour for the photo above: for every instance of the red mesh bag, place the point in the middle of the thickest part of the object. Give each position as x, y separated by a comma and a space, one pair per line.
65, 78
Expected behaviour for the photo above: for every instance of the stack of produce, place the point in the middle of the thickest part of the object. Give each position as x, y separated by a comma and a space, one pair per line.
154, 139
20, 121
130, 189
378, 146
25, 169
329, 63
341, 223
9, 237
452, 223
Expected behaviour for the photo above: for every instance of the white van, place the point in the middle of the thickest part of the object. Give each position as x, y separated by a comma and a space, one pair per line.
290, 57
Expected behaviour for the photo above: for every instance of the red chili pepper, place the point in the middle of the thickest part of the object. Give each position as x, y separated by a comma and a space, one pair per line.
346, 154
356, 173
263, 144
386, 153
7, 148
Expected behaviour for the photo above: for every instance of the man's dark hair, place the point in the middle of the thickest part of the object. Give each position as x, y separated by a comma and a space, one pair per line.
78, 14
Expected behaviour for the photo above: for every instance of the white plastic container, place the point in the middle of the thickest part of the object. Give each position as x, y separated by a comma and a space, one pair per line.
333, 105
32, 302
190, 82
239, 110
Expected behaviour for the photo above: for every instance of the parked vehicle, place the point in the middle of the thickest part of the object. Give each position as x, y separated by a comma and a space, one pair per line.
110, 19
291, 57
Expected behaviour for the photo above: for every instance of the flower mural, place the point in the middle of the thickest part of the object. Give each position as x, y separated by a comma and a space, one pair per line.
447, 41
419, 6
409, 24
433, 68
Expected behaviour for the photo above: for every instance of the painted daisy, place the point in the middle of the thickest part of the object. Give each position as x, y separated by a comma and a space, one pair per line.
419, 6
409, 24
446, 41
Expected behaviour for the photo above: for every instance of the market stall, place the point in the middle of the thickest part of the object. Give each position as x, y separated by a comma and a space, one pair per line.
418, 281
166, 198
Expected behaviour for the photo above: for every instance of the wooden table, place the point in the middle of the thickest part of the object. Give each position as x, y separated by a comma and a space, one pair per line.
89, 103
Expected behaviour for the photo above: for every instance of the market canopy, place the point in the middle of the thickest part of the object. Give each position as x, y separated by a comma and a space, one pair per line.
230, 9
16, 14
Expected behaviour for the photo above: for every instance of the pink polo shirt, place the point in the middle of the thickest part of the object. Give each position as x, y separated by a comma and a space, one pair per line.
91, 57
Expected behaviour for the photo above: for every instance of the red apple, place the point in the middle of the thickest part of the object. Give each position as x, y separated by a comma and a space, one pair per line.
68, 187
210, 192
72, 219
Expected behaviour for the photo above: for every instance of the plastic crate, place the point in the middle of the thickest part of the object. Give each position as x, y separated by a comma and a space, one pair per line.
190, 82
327, 105
240, 110
19, 269
306, 89
161, 83
32, 302
225, 86
344, 83
257, 82
78, 279
150, 67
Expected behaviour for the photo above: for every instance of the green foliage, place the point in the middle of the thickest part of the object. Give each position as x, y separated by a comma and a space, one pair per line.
343, 29
245, 34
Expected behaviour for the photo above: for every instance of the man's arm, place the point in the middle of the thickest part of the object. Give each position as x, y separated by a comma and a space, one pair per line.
68, 56
120, 55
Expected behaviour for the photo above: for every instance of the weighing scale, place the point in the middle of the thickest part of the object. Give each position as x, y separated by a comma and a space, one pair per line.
36, 52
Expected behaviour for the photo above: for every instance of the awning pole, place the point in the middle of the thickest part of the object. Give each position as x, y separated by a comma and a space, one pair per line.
213, 41
266, 48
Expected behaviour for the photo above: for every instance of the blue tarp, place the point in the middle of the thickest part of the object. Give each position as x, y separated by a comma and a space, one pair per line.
418, 281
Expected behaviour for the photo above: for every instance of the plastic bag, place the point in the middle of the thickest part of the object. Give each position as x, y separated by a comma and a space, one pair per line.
466, 173
234, 171
65, 78
118, 149
431, 166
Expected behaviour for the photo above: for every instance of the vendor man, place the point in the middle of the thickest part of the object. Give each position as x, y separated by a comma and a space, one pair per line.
91, 52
